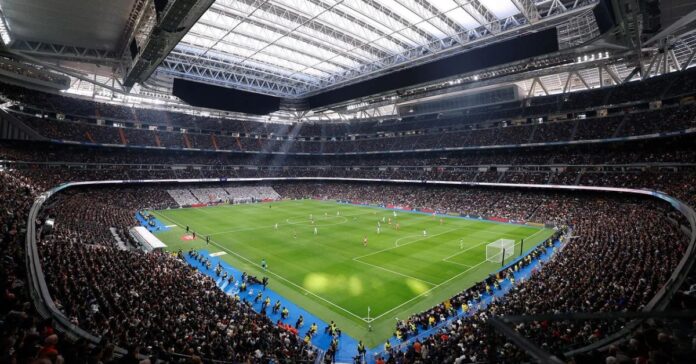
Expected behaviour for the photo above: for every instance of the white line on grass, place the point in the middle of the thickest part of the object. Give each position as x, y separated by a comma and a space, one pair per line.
411, 242
465, 250
307, 223
428, 291
540, 231
445, 282
396, 242
455, 263
240, 230
356, 259
279, 276
395, 272
287, 223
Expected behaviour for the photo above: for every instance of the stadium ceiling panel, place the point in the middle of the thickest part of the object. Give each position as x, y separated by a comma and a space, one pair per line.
85, 30
294, 48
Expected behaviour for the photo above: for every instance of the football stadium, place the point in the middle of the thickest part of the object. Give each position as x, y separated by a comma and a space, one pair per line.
347, 181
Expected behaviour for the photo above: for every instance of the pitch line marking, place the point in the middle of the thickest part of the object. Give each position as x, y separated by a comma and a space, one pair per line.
455, 263
411, 242
426, 293
258, 227
279, 276
395, 272
307, 223
396, 243
464, 250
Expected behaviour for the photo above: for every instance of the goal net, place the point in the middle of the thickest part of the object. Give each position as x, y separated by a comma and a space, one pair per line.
496, 249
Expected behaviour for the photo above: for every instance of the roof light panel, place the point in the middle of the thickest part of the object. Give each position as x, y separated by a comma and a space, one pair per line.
306, 31
454, 11
411, 17
336, 21
249, 55
233, 61
224, 23
201, 44
241, 51
430, 15
299, 49
293, 60
366, 36
272, 20
377, 19
500, 8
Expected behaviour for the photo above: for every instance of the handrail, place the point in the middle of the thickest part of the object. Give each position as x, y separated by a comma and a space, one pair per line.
14, 121
323, 166
46, 307
38, 289
400, 151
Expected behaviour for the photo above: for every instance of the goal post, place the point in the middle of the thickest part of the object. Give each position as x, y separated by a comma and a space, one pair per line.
500, 250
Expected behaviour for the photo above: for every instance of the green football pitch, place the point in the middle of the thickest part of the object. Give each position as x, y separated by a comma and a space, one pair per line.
331, 274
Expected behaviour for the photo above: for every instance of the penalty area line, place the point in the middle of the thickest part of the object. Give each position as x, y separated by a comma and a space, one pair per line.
428, 291
455, 263
445, 282
464, 251
395, 272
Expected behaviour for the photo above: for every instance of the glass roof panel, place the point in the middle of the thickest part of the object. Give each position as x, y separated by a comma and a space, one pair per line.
272, 20
407, 14
500, 8
382, 22
310, 45
456, 13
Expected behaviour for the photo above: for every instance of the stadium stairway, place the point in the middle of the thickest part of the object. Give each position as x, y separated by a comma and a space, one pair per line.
119, 242
187, 142
213, 139
88, 136
122, 136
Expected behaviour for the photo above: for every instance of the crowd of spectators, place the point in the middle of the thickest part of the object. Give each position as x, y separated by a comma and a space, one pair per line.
156, 301
154, 305
557, 118
665, 166
26, 336
669, 86
661, 151
135, 299
622, 251
71, 216
211, 195
621, 124
31, 72
609, 265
